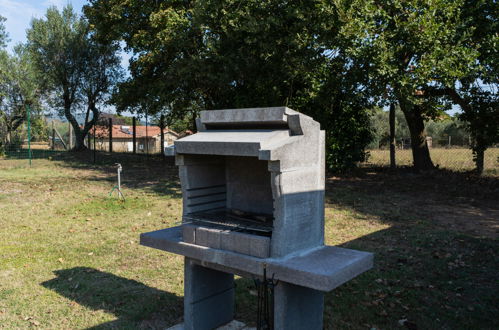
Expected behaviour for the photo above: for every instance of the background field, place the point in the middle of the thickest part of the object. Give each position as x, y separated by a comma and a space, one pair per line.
70, 259
455, 159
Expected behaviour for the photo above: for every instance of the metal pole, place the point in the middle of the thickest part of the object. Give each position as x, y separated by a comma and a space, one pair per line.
110, 134
70, 136
53, 136
162, 128
95, 124
119, 178
134, 135
147, 137
28, 111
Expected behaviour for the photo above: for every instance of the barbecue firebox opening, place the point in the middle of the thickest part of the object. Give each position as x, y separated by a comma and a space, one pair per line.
230, 192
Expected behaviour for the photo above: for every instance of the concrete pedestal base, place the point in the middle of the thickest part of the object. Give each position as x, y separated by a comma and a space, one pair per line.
297, 307
208, 297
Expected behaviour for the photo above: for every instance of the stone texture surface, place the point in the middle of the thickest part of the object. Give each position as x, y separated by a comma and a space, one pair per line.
208, 297
208, 237
285, 176
248, 185
297, 308
230, 142
189, 233
233, 325
252, 245
258, 160
237, 117
323, 269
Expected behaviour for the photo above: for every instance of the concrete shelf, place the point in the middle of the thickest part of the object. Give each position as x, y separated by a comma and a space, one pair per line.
323, 268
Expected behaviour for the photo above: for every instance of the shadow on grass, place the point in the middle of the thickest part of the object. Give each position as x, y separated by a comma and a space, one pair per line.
423, 278
461, 202
135, 304
436, 267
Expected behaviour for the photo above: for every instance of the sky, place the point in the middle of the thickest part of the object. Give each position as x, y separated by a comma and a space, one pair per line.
20, 12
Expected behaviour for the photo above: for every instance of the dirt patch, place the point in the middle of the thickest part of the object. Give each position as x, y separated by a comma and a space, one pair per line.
476, 221
456, 201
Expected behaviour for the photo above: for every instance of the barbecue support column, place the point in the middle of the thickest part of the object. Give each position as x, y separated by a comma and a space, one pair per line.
297, 307
208, 297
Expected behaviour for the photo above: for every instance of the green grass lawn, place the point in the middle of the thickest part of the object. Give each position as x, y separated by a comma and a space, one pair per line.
70, 258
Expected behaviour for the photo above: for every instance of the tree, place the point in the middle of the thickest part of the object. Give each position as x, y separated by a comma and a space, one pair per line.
475, 90
3, 34
19, 89
75, 69
102, 72
482, 116
408, 47
192, 55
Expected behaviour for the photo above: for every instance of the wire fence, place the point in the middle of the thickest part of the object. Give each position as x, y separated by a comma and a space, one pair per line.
454, 158
128, 135
111, 134
131, 136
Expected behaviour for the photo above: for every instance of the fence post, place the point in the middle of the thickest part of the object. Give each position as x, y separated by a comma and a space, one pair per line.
392, 136
95, 146
162, 128
70, 137
134, 134
110, 134
147, 136
53, 136
28, 113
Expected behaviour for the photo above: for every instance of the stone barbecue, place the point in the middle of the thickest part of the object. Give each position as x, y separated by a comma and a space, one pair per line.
253, 205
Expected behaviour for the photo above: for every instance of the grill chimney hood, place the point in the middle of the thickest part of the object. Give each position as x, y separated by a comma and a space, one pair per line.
259, 132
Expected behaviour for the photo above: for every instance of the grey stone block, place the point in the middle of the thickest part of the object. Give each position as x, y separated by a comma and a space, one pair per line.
252, 245
189, 233
236, 117
260, 247
208, 297
208, 237
233, 242
297, 308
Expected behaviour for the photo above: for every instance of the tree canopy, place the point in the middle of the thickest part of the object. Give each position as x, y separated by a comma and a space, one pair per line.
3, 33
424, 55
227, 54
19, 89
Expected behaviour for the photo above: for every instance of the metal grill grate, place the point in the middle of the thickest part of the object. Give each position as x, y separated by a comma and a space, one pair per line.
225, 220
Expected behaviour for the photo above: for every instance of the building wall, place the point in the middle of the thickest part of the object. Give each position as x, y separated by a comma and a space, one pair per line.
126, 144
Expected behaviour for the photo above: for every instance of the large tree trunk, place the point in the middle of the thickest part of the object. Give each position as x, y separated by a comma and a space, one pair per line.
420, 152
393, 164
479, 146
81, 133
79, 140
479, 160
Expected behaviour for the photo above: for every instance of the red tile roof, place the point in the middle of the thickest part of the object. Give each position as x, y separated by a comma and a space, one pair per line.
122, 131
